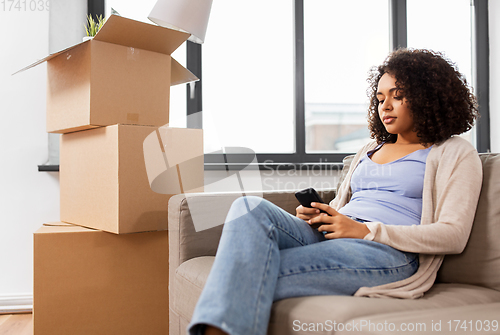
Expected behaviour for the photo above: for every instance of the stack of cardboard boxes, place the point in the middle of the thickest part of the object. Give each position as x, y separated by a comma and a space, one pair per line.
104, 268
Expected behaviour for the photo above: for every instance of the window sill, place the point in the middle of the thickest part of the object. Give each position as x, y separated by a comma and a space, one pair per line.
232, 167
48, 168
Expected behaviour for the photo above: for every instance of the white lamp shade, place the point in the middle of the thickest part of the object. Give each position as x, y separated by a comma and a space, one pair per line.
190, 16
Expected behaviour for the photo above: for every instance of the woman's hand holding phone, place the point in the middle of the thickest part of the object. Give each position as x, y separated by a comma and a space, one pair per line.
306, 213
337, 225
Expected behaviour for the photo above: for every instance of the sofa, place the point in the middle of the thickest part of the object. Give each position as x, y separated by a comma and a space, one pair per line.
464, 299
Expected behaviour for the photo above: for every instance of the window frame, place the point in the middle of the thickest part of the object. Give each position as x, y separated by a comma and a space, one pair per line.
398, 38
481, 72
300, 159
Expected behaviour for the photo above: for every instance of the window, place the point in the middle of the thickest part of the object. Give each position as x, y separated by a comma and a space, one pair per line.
287, 78
446, 15
248, 84
335, 44
342, 41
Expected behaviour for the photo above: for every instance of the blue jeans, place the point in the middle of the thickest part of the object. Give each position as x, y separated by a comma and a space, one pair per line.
268, 254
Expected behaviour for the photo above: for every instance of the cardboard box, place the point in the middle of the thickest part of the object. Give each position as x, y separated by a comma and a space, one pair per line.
123, 75
119, 178
92, 282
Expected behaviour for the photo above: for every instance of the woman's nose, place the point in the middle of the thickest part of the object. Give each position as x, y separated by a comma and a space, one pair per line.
386, 105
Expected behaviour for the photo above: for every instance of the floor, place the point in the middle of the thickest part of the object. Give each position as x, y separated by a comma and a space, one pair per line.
16, 324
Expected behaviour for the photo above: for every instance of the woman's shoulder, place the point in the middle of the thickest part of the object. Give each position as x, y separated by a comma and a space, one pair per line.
457, 144
455, 149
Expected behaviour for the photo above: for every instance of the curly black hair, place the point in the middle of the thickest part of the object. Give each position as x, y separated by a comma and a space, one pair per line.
439, 98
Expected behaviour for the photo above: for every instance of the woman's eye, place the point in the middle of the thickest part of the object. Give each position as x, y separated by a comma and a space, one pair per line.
398, 98
381, 102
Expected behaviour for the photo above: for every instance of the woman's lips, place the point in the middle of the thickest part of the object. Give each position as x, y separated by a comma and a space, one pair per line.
389, 119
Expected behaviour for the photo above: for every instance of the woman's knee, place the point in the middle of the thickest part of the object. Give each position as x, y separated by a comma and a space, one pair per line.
249, 207
249, 203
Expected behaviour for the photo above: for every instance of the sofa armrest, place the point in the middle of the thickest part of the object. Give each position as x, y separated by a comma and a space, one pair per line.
190, 238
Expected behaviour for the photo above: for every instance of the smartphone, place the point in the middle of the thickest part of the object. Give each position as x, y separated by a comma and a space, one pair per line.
305, 197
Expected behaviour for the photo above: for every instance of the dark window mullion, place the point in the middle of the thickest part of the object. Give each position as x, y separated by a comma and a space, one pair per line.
300, 129
481, 68
398, 24
194, 99
95, 8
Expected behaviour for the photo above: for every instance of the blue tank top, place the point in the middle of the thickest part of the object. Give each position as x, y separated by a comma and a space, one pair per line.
390, 193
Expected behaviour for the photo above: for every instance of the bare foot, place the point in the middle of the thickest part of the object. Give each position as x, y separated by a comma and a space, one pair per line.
214, 331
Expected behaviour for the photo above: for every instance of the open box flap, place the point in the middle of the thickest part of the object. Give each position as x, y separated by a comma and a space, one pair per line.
130, 33
180, 75
61, 227
58, 224
47, 58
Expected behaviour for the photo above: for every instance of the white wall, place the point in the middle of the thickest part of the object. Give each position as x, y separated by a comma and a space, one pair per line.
28, 197
494, 8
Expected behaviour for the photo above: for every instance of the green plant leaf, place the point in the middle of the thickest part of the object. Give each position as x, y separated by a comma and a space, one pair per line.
92, 27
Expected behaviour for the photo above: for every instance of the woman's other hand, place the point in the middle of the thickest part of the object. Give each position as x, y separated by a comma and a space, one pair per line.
306, 213
337, 225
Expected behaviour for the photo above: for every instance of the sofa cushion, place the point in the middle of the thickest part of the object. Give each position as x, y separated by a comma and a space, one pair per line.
190, 278
479, 264
286, 314
471, 319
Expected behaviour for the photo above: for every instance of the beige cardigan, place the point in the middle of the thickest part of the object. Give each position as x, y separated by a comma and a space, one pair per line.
452, 183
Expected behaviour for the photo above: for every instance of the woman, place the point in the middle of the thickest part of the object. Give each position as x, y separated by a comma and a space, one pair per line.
409, 197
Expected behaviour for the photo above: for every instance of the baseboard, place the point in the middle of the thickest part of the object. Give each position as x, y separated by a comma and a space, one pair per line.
18, 303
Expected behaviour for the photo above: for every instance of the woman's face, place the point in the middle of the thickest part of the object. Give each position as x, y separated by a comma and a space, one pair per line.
393, 108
